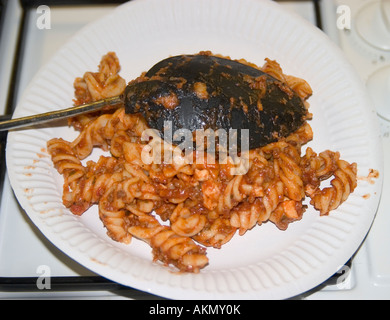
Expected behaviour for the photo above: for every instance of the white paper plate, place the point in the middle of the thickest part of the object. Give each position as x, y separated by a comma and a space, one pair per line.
266, 262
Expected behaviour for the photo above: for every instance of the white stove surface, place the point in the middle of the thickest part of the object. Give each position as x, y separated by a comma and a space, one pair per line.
23, 249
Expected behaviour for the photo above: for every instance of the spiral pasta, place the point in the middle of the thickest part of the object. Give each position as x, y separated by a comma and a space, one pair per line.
181, 207
69, 165
342, 185
168, 247
105, 83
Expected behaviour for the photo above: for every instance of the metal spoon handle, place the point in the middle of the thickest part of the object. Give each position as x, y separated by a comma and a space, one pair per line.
59, 114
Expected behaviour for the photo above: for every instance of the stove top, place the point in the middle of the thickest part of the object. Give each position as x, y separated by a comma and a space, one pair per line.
24, 48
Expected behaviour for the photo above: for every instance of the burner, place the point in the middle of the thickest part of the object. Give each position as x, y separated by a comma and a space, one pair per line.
373, 24
378, 85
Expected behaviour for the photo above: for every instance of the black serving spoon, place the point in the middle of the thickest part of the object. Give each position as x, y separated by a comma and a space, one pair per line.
202, 92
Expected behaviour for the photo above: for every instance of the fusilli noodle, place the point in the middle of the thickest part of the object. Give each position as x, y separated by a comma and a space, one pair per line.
182, 207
